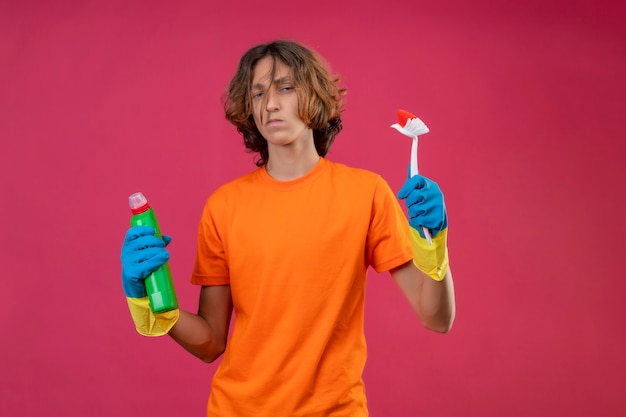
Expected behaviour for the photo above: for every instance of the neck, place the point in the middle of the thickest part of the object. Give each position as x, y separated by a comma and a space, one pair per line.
291, 162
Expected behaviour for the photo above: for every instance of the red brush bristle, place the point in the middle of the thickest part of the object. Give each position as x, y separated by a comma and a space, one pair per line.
403, 116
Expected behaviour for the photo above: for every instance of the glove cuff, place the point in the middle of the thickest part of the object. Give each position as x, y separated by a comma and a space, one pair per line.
148, 323
431, 259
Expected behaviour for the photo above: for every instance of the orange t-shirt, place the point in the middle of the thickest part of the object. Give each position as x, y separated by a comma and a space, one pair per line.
295, 254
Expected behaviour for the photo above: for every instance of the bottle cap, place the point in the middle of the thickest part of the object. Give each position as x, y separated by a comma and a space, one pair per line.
138, 202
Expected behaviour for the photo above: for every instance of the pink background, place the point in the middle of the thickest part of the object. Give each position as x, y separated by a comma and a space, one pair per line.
525, 103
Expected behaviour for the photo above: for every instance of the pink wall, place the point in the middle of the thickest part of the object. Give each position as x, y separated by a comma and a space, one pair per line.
525, 103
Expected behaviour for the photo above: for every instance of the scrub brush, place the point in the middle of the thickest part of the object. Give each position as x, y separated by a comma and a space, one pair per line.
411, 126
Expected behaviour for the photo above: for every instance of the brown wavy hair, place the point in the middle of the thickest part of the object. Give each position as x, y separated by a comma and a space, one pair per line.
320, 98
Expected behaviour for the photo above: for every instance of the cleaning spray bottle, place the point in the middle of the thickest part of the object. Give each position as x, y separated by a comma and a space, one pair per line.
159, 285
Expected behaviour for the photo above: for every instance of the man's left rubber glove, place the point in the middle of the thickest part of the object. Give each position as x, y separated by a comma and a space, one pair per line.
142, 254
426, 208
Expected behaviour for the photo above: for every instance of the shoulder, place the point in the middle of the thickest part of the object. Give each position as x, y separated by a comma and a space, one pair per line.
236, 185
358, 185
360, 180
231, 191
353, 174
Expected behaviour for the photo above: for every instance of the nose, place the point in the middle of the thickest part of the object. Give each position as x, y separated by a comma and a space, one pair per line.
272, 101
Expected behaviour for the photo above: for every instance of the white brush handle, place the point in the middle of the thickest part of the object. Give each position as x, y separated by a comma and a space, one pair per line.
414, 170
413, 128
428, 236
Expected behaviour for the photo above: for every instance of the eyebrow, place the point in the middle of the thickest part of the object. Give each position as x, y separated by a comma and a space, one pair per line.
277, 81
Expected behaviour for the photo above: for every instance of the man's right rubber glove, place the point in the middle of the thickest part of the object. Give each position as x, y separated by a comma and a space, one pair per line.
426, 208
142, 254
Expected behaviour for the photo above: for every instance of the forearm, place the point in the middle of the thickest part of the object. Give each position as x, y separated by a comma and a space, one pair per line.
204, 334
197, 337
432, 301
437, 307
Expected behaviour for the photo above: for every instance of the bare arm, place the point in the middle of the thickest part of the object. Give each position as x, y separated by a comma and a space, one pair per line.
432, 301
204, 334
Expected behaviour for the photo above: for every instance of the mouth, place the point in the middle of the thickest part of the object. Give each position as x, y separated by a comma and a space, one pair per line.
273, 121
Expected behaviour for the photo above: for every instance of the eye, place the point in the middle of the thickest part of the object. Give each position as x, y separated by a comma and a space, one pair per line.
256, 95
286, 88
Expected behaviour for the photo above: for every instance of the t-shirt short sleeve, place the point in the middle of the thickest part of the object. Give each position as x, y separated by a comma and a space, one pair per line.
211, 266
388, 240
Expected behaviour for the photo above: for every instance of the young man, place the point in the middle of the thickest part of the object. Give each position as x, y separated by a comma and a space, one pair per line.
288, 246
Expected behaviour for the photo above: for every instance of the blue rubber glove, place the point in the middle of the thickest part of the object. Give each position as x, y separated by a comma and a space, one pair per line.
425, 205
142, 254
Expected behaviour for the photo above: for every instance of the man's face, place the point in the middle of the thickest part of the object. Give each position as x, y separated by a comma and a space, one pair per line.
275, 104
